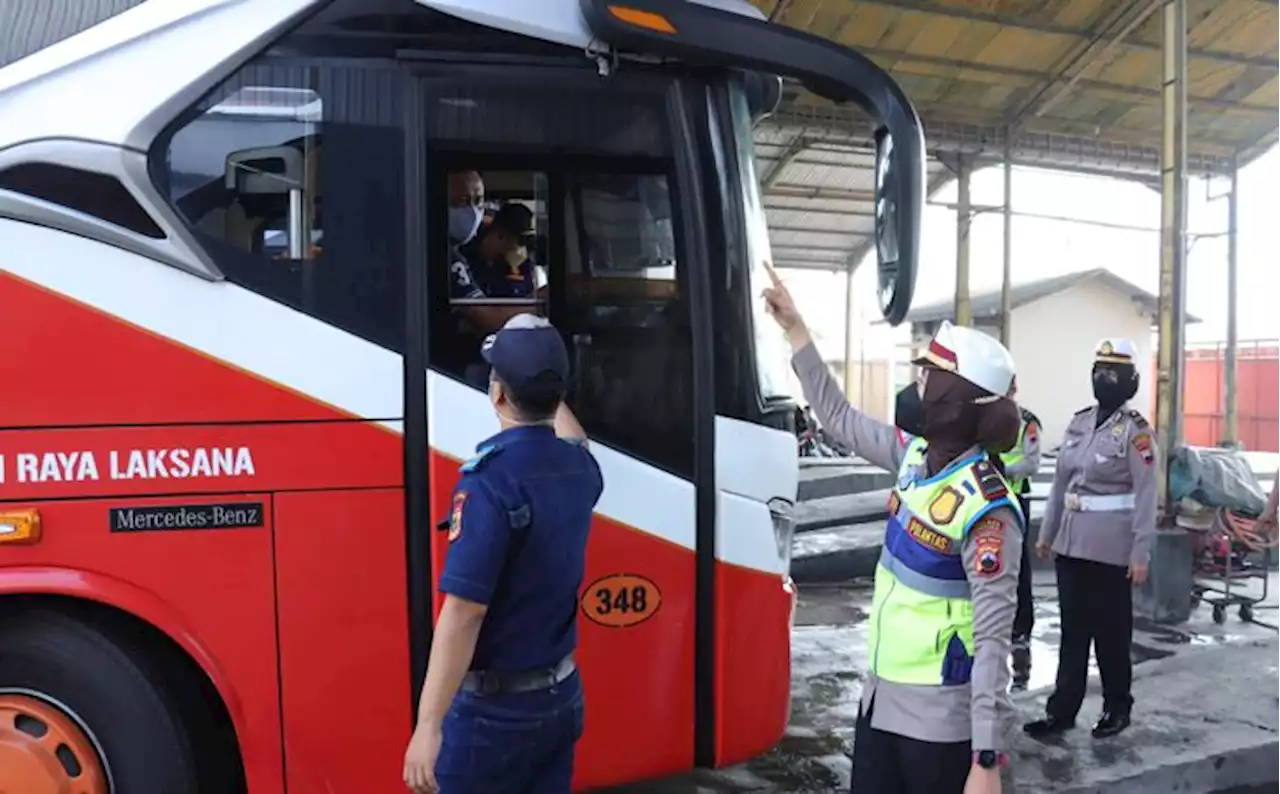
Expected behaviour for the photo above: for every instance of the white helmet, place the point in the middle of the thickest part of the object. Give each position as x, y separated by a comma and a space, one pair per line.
1115, 351
973, 355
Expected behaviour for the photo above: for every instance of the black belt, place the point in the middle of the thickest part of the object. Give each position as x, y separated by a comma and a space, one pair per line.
492, 682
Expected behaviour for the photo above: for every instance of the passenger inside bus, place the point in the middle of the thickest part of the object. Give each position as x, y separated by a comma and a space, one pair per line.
466, 206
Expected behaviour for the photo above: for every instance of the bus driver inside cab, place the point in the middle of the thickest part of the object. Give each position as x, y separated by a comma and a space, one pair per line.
492, 276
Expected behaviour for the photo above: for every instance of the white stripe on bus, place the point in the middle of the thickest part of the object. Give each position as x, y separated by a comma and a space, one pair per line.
299, 352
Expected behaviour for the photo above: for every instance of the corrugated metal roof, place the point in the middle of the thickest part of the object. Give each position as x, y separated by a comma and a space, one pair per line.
31, 25
818, 195
987, 303
1071, 84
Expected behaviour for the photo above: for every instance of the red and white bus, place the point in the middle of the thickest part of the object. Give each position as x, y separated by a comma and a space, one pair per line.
233, 407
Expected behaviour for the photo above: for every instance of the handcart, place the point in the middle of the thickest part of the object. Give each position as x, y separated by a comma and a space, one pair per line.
1231, 555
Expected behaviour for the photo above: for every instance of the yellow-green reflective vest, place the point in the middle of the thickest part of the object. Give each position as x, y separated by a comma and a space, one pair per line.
1015, 456
921, 615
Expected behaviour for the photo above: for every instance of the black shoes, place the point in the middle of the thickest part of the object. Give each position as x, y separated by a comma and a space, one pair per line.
1048, 726
1110, 724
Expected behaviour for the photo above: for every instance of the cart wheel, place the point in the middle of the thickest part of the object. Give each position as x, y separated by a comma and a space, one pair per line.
1246, 613
1219, 614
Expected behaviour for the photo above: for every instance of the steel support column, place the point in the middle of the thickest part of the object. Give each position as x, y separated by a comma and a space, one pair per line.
1006, 278
1230, 433
964, 217
1173, 242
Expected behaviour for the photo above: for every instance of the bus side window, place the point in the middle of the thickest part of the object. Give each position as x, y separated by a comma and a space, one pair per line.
295, 194
627, 318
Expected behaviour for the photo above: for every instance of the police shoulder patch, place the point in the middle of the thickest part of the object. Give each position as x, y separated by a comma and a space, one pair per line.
486, 452
1142, 444
1138, 419
990, 483
988, 538
455, 515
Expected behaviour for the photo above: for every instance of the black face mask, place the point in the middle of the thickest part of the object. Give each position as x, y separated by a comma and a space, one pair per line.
1111, 394
908, 411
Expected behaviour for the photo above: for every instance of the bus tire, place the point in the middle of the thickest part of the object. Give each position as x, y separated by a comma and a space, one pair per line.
54, 666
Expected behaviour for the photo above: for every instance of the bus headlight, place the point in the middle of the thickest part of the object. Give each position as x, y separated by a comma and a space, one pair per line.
784, 530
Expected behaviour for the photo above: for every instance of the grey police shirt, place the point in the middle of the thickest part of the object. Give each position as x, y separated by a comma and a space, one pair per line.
979, 711
1117, 458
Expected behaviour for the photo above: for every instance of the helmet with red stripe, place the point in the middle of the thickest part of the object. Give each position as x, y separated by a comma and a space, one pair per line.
971, 354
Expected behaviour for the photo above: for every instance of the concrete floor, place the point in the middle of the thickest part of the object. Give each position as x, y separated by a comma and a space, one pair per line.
828, 653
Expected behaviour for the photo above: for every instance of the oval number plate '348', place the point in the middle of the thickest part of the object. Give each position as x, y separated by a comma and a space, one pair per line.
621, 600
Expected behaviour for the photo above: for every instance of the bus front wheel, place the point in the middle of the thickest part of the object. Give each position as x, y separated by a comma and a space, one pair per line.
84, 712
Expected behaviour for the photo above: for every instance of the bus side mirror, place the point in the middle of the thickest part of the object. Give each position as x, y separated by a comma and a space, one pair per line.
272, 170
895, 275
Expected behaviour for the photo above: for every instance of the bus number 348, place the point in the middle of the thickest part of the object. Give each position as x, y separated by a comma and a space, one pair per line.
620, 600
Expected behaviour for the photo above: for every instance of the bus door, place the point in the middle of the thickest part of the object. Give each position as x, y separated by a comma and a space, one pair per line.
599, 163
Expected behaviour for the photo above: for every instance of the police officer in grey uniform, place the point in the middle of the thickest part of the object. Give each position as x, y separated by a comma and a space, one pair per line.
916, 738
1099, 523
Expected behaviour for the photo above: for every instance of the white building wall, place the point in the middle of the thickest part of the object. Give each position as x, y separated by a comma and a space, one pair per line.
1053, 343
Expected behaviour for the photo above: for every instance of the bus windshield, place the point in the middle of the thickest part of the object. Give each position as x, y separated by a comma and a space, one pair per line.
772, 352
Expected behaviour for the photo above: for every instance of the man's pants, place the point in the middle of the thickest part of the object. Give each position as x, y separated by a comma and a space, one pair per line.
1096, 600
886, 763
511, 743
1025, 618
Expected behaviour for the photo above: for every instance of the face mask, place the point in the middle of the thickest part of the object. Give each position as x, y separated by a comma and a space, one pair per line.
1113, 388
908, 411
464, 222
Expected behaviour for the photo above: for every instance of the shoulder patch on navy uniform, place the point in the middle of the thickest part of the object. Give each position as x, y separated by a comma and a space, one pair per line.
455, 515
990, 483
482, 454
1138, 419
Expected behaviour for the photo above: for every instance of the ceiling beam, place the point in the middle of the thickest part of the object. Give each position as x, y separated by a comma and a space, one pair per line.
986, 143
1019, 23
1123, 21
1049, 80
795, 147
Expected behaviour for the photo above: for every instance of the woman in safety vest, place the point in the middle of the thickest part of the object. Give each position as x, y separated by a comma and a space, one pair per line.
935, 701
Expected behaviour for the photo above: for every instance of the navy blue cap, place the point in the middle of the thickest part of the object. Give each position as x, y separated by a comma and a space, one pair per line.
528, 355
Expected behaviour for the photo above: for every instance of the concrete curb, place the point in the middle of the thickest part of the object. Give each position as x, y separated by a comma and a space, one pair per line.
1197, 730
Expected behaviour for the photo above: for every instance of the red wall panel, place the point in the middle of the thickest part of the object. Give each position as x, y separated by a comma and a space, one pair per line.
1257, 396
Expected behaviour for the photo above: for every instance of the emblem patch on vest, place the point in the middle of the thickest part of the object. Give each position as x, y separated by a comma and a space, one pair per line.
455, 515
944, 505
988, 560
928, 537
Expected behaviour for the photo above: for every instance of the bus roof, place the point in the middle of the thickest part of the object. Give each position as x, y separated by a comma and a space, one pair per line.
122, 80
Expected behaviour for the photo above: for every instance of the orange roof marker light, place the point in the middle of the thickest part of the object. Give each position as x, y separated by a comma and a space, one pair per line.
20, 526
643, 19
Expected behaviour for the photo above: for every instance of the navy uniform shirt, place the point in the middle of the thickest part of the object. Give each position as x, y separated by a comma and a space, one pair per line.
518, 527
472, 277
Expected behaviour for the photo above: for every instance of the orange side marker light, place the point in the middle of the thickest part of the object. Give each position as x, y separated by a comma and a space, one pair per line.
20, 526
643, 19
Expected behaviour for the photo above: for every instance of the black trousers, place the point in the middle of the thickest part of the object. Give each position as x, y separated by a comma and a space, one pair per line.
1097, 607
1025, 618
886, 763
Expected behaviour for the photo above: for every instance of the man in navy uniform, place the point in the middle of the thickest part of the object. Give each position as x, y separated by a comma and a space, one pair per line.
502, 707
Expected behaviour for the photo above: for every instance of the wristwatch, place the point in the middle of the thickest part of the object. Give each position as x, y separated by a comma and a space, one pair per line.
989, 759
